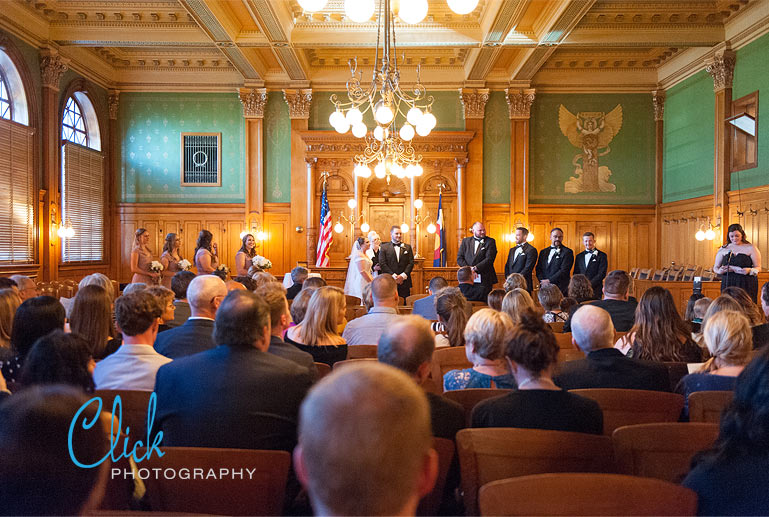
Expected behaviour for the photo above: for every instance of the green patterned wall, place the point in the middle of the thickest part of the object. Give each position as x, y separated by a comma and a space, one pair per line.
496, 150
626, 172
687, 163
151, 125
751, 74
277, 150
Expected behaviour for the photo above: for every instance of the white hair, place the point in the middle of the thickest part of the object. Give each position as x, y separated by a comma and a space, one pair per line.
203, 289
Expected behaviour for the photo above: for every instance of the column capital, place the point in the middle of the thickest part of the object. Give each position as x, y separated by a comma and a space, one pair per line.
113, 103
310, 161
52, 67
519, 102
253, 100
298, 103
721, 68
658, 102
474, 102
461, 162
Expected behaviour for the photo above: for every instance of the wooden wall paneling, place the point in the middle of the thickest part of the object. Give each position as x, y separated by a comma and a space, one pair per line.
191, 229
679, 224
496, 218
232, 239
277, 221
754, 203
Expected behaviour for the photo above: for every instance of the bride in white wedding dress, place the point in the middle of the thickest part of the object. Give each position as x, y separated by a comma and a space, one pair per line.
359, 270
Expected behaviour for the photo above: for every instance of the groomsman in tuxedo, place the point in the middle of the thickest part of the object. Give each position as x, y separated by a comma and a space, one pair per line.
592, 263
479, 253
554, 263
397, 259
521, 258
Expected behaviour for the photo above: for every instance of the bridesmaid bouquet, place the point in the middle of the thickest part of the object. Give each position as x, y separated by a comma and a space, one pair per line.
222, 268
261, 263
156, 267
184, 265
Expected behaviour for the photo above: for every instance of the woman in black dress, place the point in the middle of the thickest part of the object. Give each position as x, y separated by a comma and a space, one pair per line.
738, 262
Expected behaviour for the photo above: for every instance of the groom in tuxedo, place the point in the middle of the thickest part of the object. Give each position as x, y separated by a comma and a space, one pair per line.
479, 252
522, 258
554, 263
397, 259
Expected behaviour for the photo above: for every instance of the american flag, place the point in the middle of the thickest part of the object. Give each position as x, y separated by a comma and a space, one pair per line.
325, 237
439, 255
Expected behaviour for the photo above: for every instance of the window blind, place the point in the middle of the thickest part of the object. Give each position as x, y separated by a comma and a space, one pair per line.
17, 194
82, 194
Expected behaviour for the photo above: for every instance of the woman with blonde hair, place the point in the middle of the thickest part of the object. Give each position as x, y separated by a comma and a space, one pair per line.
515, 281
170, 259
141, 258
517, 301
91, 317
453, 311
318, 333
101, 280
262, 278
9, 302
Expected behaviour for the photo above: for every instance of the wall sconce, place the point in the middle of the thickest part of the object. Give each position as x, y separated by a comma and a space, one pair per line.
254, 229
64, 230
339, 227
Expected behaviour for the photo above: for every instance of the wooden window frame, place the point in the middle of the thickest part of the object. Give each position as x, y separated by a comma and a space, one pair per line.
218, 183
746, 104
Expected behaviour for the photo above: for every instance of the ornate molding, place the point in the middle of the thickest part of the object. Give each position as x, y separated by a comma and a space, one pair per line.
658, 101
253, 100
113, 100
721, 68
298, 103
474, 102
52, 67
519, 102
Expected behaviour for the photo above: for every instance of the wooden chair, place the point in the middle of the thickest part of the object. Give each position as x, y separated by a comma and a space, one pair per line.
352, 300
556, 327
628, 407
565, 355
323, 369
134, 406
708, 275
479, 304
634, 272
586, 494
342, 364
361, 351
354, 311
476, 308
690, 271
431, 503
360, 311
707, 406
447, 359
261, 493
404, 309
490, 454
658, 275
468, 398
644, 274
414, 297
663, 451
564, 341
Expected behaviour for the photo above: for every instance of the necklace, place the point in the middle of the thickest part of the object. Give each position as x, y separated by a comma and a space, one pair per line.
537, 379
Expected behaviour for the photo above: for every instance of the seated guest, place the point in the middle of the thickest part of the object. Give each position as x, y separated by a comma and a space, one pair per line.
367, 329
580, 288
91, 318
180, 282
298, 307
59, 358
317, 334
408, 345
134, 365
453, 311
365, 444
367, 299
569, 304
729, 340
9, 303
7, 283
204, 294
731, 478
135, 287
605, 366
274, 295
550, 298
761, 332
261, 278
236, 395
485, 335
232, 285
27, 287
425, 307
659, 333
34, 318
247, 282
515, 281
474, 292
165, 298
101, 280
699, 308
494, 299
531, 353
314, 282
298, 276
753, 312
689, 312
516, 302
37, 474
616, 301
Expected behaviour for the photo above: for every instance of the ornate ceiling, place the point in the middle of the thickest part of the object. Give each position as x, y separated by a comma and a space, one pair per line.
222, 44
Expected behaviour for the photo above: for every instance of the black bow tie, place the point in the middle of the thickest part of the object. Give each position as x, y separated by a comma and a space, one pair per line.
556, 248
477, 239
397, 244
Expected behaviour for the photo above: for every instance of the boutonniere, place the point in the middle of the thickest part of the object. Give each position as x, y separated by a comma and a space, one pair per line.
405, 252
482, 248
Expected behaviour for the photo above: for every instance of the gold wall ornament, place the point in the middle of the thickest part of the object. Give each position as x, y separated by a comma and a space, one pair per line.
52, 67
658, 102
519, 102
253, 100
474, 102
721, 69
113, 103
298, 103
591, 132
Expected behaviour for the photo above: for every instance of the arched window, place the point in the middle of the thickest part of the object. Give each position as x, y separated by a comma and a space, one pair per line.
5, 99
73, 125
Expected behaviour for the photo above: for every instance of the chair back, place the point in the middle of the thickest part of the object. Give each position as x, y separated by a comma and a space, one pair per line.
644, 274
404, 309
565, 355
586, 494
628, 407
352, 300
354, 311
479, 304
323, 369
431, 503
490, 454
342, 364
659, 274
134, 407
468, 398
564, 341
663, 451
414, 297
634, 272
556, 326
447, 359
260, 491
361, 351
708, 275
707, 406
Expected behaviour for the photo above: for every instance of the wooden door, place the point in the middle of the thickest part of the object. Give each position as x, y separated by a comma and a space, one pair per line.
384, 215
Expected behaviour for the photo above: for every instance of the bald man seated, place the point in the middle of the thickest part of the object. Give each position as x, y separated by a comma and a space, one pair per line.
366, 329
365, 446
592, 332
204, 295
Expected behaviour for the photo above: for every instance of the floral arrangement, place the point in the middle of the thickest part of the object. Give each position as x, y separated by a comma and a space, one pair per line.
223, 269
184, 265
261, 263
156, 267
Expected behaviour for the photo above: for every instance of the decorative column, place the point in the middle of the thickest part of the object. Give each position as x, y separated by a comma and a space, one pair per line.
461, 224
721, 68
52, 67
253, 101
113, 230
474, 104
299, 112
519, 107
312, 228
658, 102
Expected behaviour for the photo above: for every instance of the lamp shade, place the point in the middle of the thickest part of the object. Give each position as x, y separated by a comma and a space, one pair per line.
462, 6
312, 6
359, 11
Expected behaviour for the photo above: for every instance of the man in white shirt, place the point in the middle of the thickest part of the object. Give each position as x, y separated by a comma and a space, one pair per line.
367, 329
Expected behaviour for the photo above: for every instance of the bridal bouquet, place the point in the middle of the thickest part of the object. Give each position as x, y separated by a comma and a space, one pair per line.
156, 267
184, 265
223, 269
261, 263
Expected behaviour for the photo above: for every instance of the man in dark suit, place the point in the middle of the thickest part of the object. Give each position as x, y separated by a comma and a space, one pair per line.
397, 259
479, 252
615, 301
554, 263
522, 258
425, 307
179, 284
236, 395
298, 276
592, 263
204, 294
605, 366
470, 290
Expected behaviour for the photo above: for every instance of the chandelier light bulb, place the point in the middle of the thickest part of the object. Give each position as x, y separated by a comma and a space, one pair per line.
407, 132
338, 228
414, 116
404, 228
336, 118
398, 171
413, 11
422, 129
380, 171
429, 120
354, 116
343, 126
352, 203
431, 228
362, 171
359, 130
365, 227
700, 235
383, 113
462, 6
410, 173
379, 133
359, 11
418, 170
312, 6
530, 237
710, 234
418, 203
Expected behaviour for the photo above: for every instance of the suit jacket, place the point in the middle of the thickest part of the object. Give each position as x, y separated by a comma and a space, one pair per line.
473, 292
524, 265
292, 353
425, 307
483, 260
595, 270
447, 416
292, 291
609, 368
230, 397
391, 265
558, 271
196, 335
